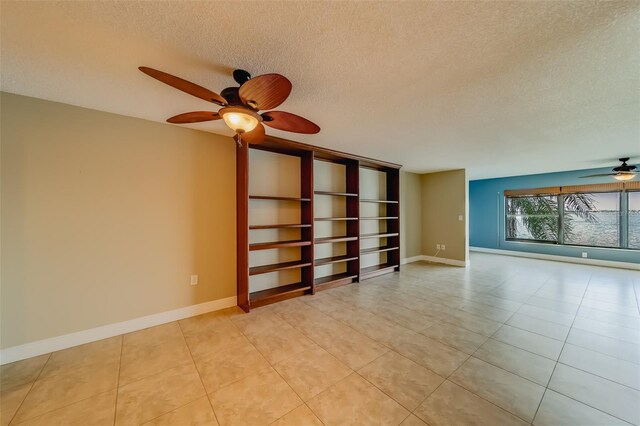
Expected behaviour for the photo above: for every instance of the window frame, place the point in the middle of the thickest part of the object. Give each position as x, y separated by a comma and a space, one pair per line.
560, 193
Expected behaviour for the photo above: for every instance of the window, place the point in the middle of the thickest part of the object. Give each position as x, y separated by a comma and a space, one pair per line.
633, 218
592, 219
604, 215
532, 218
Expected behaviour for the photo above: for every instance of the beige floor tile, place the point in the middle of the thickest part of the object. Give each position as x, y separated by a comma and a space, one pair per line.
402, 316
532, 342
554, 305
429, 353
471, 322
496, 302
617, 308
156, 395
204, 322
93, 354
152, 336
610, 330
629, 321
508, 391
605, 345
280, 343
10, 399
61, 390
349, 346
229, 364
504, 292
413, 421
210, 339
486, 311
558, 410
255, 400
547, 315
614, 369
301, 416
259, 323
354, 401
97, 410
196, 413
20, 372
518, 361
312, 371
612, 398
402, 379
143, 361
452, 405
460, 338
536, 325
374, 327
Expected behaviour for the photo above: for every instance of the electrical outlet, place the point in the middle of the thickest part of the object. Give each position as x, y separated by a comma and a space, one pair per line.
442, 247
437, 246
584, 254
460, 217
194, 280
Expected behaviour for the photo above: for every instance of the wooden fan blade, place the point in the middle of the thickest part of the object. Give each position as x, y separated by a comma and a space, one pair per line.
194, 117
184, 85
289, 122
265, 91
255, 136
599, 175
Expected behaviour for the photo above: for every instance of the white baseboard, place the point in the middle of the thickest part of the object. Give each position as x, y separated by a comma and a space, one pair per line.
556, 258
434, 259
452, 262
28, 350
411, 259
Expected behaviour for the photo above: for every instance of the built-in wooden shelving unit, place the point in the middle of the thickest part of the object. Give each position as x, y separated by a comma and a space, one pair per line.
328, 228
379, 221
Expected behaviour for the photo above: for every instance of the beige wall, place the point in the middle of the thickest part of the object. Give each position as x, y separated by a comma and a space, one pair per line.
410, 215
105, 217
444, 197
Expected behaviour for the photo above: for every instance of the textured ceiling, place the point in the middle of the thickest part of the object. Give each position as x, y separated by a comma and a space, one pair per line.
499, 88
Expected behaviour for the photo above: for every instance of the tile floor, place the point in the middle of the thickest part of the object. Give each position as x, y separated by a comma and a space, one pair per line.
508, 341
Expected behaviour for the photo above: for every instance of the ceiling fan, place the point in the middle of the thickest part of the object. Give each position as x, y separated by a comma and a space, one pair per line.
240, 105
622, 172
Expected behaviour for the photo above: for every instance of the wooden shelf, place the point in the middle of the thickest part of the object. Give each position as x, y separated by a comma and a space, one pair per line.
334, 239
335, 280
334, 259
283, 225
335, 218
378, 249
266, 197
265, 269
278, 244
342, 194
263, 297
379, 201
379, 218
383, 235
372, 271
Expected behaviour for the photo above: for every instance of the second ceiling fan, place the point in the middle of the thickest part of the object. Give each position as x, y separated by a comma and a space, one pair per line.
241, 105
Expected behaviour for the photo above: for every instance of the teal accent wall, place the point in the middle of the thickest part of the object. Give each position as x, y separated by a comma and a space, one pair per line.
486, 215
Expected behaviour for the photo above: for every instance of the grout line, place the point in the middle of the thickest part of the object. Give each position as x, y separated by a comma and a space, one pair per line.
273, 365
30, 388
561, 350
462, 363
199, 375
115, 408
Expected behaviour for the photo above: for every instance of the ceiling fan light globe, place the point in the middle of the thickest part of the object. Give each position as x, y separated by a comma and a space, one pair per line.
240, 120
624, 176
